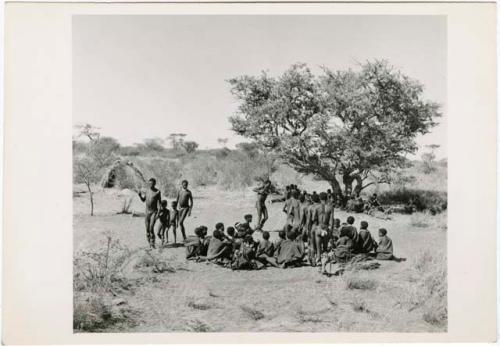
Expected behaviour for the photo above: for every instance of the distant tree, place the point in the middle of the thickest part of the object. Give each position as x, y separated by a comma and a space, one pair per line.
88, 168
249, 148
429, 159
86, 171
189, 146
176, 140
153, 145
89, 131
348, 126
222, 141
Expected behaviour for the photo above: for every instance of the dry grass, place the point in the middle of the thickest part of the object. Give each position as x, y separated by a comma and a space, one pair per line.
97, 312
252, 313
359, 305
198, 326
357, 283
396, 299
198, 306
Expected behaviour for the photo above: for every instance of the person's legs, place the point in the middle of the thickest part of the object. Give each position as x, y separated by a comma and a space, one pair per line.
152, 229
182, 216
147, 221
259, 214
265, 216
317, 245
174, 231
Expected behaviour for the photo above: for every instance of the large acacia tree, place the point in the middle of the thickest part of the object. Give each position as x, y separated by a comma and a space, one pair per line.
346, 127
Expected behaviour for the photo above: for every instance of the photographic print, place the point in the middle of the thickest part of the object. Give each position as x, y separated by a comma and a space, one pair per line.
259, 173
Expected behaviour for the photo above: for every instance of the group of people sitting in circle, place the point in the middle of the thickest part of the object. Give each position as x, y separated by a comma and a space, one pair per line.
236, 248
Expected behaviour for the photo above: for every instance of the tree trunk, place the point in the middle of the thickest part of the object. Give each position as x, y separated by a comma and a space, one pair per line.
347, 180
336, 189
91, 200
359, 185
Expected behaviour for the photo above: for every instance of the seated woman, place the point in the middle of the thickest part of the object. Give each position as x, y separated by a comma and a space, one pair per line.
265, 248
365, 240
197, 246
341, 253
290, 252
244, 258
218, 249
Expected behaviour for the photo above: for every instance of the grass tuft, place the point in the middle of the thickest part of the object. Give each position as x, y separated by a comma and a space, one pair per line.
198, 306
355, 283
253, 314
359, 305
198, 326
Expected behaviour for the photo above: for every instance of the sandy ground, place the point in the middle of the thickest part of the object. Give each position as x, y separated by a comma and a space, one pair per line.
203, 297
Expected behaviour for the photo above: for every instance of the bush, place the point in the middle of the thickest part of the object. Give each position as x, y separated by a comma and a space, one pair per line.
99, 271
201, 170
239, 170
433, 201
97, 313
168, 174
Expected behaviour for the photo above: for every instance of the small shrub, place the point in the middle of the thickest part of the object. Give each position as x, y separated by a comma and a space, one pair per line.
198, 306
355, 283
254, 314
100, 271
420, 220
97, 313
201, 171
434, 201
359, 305
305, 317
198, 326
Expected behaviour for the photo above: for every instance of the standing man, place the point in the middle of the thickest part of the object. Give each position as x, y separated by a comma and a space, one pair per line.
152, 197
185, 204
262, 193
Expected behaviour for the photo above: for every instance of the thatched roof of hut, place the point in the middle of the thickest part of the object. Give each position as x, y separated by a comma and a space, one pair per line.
123, 174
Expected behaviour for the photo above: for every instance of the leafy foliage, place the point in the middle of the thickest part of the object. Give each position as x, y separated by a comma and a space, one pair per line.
358, 125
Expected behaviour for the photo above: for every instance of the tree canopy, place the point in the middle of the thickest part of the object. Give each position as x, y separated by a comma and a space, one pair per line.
349, 126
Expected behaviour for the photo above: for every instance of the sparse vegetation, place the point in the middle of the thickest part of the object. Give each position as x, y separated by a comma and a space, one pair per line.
252, 313
357, 283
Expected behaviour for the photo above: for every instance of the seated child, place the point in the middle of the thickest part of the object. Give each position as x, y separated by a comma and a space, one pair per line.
384, 248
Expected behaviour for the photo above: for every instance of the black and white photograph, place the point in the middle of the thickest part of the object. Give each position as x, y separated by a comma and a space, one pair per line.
259, 173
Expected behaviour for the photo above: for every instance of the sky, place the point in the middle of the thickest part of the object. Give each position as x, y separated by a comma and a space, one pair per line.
138, 77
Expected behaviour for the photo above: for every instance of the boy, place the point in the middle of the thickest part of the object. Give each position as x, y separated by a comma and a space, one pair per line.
185, 203
152, 197
174, 220
164, 224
